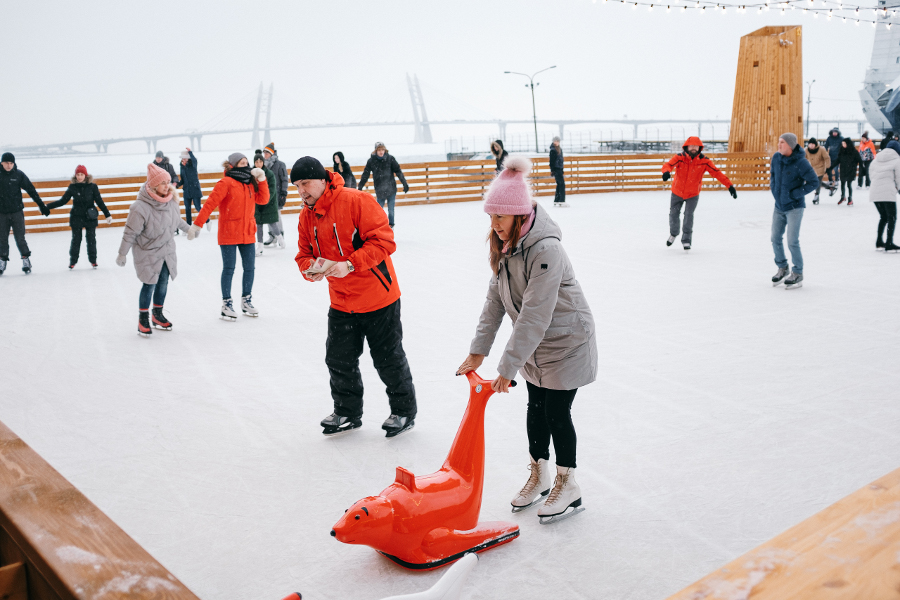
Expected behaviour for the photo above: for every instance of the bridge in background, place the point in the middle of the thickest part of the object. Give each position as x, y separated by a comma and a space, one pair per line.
421, 126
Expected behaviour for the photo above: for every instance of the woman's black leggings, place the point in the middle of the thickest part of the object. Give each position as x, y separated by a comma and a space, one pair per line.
849, 183
550, 414
888, 213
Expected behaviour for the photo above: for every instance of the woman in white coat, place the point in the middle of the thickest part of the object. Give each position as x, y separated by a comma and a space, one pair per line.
885, 174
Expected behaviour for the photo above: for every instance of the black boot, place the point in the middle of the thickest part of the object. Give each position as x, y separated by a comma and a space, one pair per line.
144, 324
159, 321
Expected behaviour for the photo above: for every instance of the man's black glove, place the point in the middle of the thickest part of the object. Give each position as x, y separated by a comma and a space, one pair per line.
45, 211
666, 176
281, 201
405, 187
733, 192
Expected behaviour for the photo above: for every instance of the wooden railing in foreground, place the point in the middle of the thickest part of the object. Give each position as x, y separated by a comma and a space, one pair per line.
850, 550
70, 549
456, 181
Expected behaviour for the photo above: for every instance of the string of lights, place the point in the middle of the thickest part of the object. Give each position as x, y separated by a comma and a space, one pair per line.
830, 9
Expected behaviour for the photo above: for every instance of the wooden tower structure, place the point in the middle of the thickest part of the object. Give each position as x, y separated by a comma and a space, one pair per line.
768, 90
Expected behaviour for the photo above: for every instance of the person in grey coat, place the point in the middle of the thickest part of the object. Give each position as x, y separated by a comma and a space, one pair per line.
278, 168
885, 174
150, 235
553, 343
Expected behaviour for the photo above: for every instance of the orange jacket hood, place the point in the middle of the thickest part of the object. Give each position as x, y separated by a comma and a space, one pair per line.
692, 141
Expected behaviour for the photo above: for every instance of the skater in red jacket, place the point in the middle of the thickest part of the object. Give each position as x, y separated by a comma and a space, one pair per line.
689, 167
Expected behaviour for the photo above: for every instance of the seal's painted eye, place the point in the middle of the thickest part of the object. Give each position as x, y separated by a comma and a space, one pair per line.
357, 517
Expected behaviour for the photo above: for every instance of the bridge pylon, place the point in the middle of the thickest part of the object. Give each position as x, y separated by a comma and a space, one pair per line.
422, 127
263, 104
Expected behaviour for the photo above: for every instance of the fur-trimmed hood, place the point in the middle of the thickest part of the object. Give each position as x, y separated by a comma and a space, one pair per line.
87, 179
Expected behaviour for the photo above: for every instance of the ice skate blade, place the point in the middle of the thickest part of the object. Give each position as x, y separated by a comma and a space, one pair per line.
399, 432
334, 432
246, 314
537, 500
562, 516
799, 284
142, 334
225, 317
161, 328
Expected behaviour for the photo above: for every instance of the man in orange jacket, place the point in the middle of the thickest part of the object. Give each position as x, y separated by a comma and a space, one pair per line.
350, 228
689, 167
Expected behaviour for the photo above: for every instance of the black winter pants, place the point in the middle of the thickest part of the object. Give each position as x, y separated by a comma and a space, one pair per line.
864, 173
550, 415
384, 333
15, 220
75, 248
849, 183
888, 213
560, 186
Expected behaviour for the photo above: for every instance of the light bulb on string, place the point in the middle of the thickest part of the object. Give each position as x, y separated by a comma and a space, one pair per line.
702, 11
634, 7
650, 8
668, 9
815, 15
759, 11
888, 25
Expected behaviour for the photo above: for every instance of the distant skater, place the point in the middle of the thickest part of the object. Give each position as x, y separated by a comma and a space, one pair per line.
552, 344
689, 167
190, 183
867, 154
343, 168
267, 214
281, 180
12, 210
86, 199
792, 177
150, 235
499, 153
382, 167
236, 196
885, 172
848, 160
820, 160
557, 169
833, 145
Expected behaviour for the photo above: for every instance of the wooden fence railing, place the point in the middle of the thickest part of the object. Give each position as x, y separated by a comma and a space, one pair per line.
67, 547
454, 181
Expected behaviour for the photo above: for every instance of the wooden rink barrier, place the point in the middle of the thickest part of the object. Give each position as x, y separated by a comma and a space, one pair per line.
444, 181
69, 548
849, 551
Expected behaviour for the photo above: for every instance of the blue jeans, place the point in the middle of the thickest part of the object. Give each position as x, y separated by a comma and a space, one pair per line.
248, 262
790, 220
390, 202
187, 208
156, 290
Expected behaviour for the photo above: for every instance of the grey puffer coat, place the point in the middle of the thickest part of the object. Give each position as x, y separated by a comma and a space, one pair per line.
150, 234
553, 343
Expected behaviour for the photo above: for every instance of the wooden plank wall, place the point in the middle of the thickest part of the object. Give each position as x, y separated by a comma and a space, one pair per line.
849, 551
445, 181
768, 90
71, 550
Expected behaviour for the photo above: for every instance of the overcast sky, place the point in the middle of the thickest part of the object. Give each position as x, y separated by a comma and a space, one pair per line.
83, 70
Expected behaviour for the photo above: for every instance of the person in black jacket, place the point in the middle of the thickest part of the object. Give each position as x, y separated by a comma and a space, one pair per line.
12, 210
848, 159
342, 168
190, 181
162, 162
382, 166
556, 169
84, 194
833, 145
499, 153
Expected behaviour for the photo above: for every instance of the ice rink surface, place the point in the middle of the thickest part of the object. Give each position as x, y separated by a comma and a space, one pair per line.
725, 410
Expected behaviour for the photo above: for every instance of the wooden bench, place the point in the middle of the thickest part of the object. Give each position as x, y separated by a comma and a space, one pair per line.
70, 549
850, 550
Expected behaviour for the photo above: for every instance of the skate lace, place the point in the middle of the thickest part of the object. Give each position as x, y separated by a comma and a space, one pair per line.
533, 480
558, 484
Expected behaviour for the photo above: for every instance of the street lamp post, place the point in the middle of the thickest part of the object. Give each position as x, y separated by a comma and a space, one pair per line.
531, 84
808, 102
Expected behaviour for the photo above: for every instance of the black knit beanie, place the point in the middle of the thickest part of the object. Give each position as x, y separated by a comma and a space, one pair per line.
307, 168
813, 141
8, 157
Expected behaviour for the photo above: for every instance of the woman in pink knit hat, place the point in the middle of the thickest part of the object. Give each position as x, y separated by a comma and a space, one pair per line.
150, 235
552, 343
